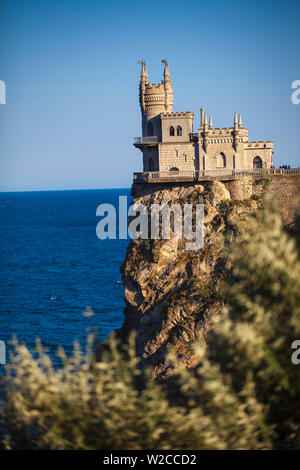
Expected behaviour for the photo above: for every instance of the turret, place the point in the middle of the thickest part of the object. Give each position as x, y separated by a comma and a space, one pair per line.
166, 71
143, 81
202, 118
143, 71
205, 132
155, 98
235, 121
240, 121
168, 88
210, 123
236, 133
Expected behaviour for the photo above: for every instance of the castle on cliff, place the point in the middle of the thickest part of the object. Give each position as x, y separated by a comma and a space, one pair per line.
169, 143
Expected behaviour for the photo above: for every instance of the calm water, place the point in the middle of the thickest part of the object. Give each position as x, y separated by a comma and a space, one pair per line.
53, 266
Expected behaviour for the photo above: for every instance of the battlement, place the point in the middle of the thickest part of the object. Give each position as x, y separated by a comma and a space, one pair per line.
224, 130
178, 114
154, 87
261, 143
221, 130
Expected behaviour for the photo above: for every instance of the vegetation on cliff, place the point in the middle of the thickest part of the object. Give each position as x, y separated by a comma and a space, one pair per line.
243, 391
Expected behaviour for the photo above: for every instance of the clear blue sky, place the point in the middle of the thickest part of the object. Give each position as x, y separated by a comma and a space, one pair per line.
72, 76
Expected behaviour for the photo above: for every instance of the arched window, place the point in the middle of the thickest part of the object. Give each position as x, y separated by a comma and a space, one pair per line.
172, 131
151, 164
174, 169
150, 130
179, 130
257, 162
221, 160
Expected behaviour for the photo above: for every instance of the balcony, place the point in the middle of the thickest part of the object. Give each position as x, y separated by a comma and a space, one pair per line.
140, 141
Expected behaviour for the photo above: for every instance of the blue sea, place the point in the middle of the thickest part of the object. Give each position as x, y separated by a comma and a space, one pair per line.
53, 267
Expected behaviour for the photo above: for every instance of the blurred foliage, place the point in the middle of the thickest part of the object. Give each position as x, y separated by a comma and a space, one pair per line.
243, 394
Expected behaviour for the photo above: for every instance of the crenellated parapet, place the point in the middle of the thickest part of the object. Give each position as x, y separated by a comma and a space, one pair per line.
178, 114
260, 144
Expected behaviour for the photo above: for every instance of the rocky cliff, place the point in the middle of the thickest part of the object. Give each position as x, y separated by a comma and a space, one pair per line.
170, 292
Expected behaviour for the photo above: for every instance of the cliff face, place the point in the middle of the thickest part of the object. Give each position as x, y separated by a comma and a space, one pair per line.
170, 292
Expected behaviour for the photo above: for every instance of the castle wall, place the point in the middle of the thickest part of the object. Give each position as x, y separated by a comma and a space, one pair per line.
156, 127
284, 190
212, 159
178, 155
257, 150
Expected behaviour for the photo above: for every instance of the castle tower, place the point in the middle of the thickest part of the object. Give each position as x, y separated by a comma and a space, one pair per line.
154, 100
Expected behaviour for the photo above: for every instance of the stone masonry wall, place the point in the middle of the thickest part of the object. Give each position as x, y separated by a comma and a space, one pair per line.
284, 189
179, 155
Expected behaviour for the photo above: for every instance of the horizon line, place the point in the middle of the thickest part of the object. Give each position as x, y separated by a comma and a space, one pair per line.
47, 190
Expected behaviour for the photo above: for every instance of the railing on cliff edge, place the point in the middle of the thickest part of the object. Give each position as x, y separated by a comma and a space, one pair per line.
200, 175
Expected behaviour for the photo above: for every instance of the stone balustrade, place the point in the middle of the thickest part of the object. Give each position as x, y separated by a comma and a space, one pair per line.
202, 175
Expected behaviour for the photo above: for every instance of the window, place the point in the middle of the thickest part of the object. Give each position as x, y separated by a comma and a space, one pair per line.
257, 162
151, 164
179, 130
150, 130
172, 131
174, 169
221, 160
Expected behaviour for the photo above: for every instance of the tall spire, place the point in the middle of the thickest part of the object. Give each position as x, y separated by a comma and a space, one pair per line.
143, 70
202, 118
168, 88
240, 120
166, 71
205, 122
143, 81
235, 120
210, 122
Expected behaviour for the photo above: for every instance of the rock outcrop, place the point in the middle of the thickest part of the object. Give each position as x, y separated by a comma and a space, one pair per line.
170, 292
